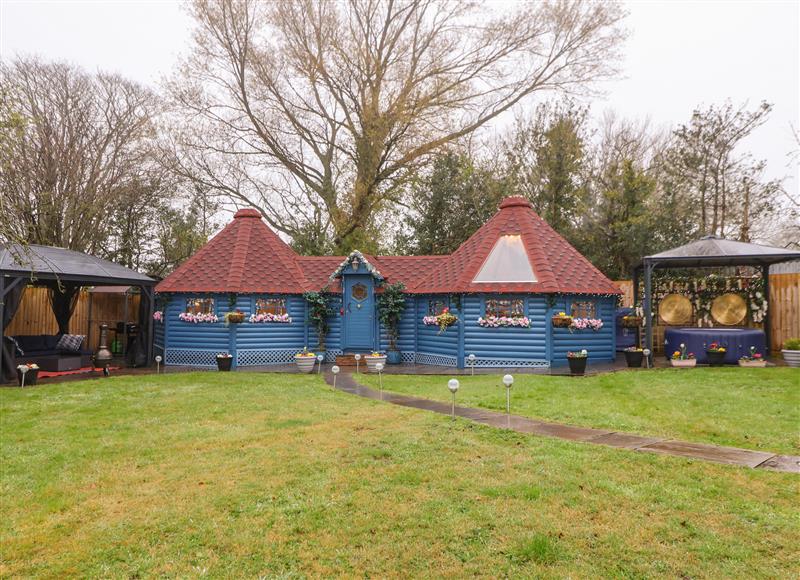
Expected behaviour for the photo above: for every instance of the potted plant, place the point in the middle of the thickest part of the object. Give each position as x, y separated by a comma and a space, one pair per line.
577, 361
31, 374
305, 360
754, 360
234, 317
319, 310
373, 359
561, 320
444, 320
631, 321
224, 361
391, 304
791, 352
680, 358
634, 357
715, 353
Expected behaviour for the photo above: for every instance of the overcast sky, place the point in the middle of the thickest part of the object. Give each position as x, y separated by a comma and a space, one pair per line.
679, 55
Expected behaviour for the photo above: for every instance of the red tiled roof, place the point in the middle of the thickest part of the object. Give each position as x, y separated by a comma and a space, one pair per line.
248, 257
558, 266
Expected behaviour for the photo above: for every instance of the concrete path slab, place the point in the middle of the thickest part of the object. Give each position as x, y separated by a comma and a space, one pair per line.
346, 382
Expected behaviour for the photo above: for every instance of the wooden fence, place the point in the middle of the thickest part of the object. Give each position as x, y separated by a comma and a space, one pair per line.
784, 307
35, 315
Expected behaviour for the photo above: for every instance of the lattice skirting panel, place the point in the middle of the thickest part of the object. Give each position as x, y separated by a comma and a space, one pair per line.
408, 357
330, 355
424, 358
263, 357
508, 362
190, 357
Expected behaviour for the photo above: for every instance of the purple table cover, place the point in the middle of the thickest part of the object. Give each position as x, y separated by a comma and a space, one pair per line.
737, 341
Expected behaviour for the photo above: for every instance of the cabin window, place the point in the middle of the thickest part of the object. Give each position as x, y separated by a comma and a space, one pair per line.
505, 307
436, 306
584, 309
200, 306
271, 306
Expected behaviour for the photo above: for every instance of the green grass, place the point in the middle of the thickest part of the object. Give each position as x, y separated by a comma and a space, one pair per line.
751, 408
247, 475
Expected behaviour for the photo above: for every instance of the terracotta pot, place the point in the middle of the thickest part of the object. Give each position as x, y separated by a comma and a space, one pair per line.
372, 362
685, 363
792, 357
305, 363
634, 358
577, 365
753, 363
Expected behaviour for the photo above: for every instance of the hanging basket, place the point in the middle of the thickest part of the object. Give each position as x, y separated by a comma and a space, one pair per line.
562, 321
632, 321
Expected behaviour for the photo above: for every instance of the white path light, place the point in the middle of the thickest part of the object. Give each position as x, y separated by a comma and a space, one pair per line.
452, 384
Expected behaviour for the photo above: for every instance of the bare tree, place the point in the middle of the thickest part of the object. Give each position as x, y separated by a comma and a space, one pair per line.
76, 152
316, 111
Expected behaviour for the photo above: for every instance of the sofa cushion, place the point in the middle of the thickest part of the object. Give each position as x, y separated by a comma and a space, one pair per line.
70, 342
35, 342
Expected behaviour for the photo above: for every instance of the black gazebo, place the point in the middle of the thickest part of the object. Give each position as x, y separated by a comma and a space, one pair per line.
64, 272
708, 252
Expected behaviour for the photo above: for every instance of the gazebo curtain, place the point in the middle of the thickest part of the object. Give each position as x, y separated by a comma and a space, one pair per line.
63, 298
11, 303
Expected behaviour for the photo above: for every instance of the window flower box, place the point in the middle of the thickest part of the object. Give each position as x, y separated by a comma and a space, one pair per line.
504, 321
754, 360
682, 359
594, 324
198, 318
271, 318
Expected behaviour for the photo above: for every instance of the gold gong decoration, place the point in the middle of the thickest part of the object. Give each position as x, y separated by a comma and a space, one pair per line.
675, 309
728, 309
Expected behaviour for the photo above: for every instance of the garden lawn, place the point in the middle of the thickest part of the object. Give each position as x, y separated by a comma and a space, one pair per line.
245, 474
750, 408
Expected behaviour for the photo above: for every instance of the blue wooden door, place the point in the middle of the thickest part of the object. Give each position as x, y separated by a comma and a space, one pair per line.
359, 312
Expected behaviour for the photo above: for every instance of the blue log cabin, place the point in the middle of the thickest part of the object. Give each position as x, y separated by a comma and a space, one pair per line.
502, 286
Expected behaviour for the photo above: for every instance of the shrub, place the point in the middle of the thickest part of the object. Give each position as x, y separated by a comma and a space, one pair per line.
791, 344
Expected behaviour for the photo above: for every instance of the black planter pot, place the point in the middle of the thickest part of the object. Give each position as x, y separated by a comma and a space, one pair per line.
224, 363
715, 358
31, 377
577, 366
634, 359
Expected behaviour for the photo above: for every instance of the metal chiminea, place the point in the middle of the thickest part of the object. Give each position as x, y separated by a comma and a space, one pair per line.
103, 354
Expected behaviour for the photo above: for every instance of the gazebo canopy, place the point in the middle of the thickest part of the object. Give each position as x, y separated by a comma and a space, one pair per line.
50, 263
64, 272
709, 252
712, 251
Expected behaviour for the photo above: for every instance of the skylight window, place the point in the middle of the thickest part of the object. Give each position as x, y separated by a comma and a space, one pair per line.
507, 262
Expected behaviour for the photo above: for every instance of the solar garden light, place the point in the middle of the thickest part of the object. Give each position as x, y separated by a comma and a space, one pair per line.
452, 384
508, 380
646, 353
23, 369
335, 371
158, 364
358, 361
471, 359
320, 358
379, 368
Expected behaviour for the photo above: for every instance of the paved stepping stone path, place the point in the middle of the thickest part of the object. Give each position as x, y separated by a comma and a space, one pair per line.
729, 455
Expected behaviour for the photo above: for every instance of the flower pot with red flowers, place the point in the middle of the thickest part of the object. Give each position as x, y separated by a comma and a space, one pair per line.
715, 354
755, 359
224, 361
682, 359
577, 362
634, 357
